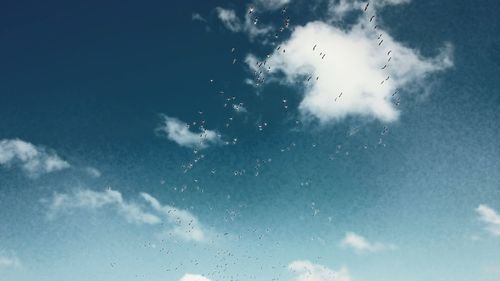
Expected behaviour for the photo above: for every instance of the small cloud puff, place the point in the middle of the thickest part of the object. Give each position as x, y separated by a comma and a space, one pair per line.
249, 25
34, 160
308, 271
490, 217
180, 133
361, 245
194, 277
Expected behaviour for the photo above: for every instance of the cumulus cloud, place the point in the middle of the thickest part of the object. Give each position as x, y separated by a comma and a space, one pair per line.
490, 217
307, 271
34, 160
9, 260
181, 223
180, 133
347, 72
194, 277
248, 25
361, 245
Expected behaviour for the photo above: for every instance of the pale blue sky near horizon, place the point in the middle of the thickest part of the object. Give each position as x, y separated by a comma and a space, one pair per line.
86, 148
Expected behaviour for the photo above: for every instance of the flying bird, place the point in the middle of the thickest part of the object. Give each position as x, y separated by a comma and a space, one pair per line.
314, 48
367, 4
372, 18
381, 42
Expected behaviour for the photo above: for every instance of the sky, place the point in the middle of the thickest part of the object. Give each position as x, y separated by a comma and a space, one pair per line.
286, 140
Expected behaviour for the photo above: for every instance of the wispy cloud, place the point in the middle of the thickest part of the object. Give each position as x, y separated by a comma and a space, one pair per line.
9, 260
194, 277
361, 245
180, 223
185, 224
229, 19
93, 172
308, 271
89, 199
180, 133
198, 17
348, 72
340, 8
248, 25
34, 160
271, 4
490, 217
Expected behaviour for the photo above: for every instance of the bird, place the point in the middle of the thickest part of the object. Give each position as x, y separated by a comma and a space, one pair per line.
367, 4
384, 67
372, 18
388, 53
314, 48
380, 42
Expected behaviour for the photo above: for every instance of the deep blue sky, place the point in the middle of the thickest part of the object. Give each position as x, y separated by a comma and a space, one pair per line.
88, 80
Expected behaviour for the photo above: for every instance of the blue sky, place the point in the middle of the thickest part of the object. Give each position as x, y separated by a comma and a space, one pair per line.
280, 140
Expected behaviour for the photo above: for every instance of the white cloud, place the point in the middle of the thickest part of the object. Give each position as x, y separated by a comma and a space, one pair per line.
249, 25
360, 244
186, 225
229, 19
89, 199
34, 160
180, 133
308, 271
338, 8
194, 277
198, 17
490, 217
271, 4
9, 260
182, 223
350, 62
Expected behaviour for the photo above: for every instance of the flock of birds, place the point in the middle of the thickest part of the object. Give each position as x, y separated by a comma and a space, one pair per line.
225, 258
262, 70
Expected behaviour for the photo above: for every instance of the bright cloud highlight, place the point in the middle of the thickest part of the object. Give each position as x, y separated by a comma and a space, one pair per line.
348, 72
